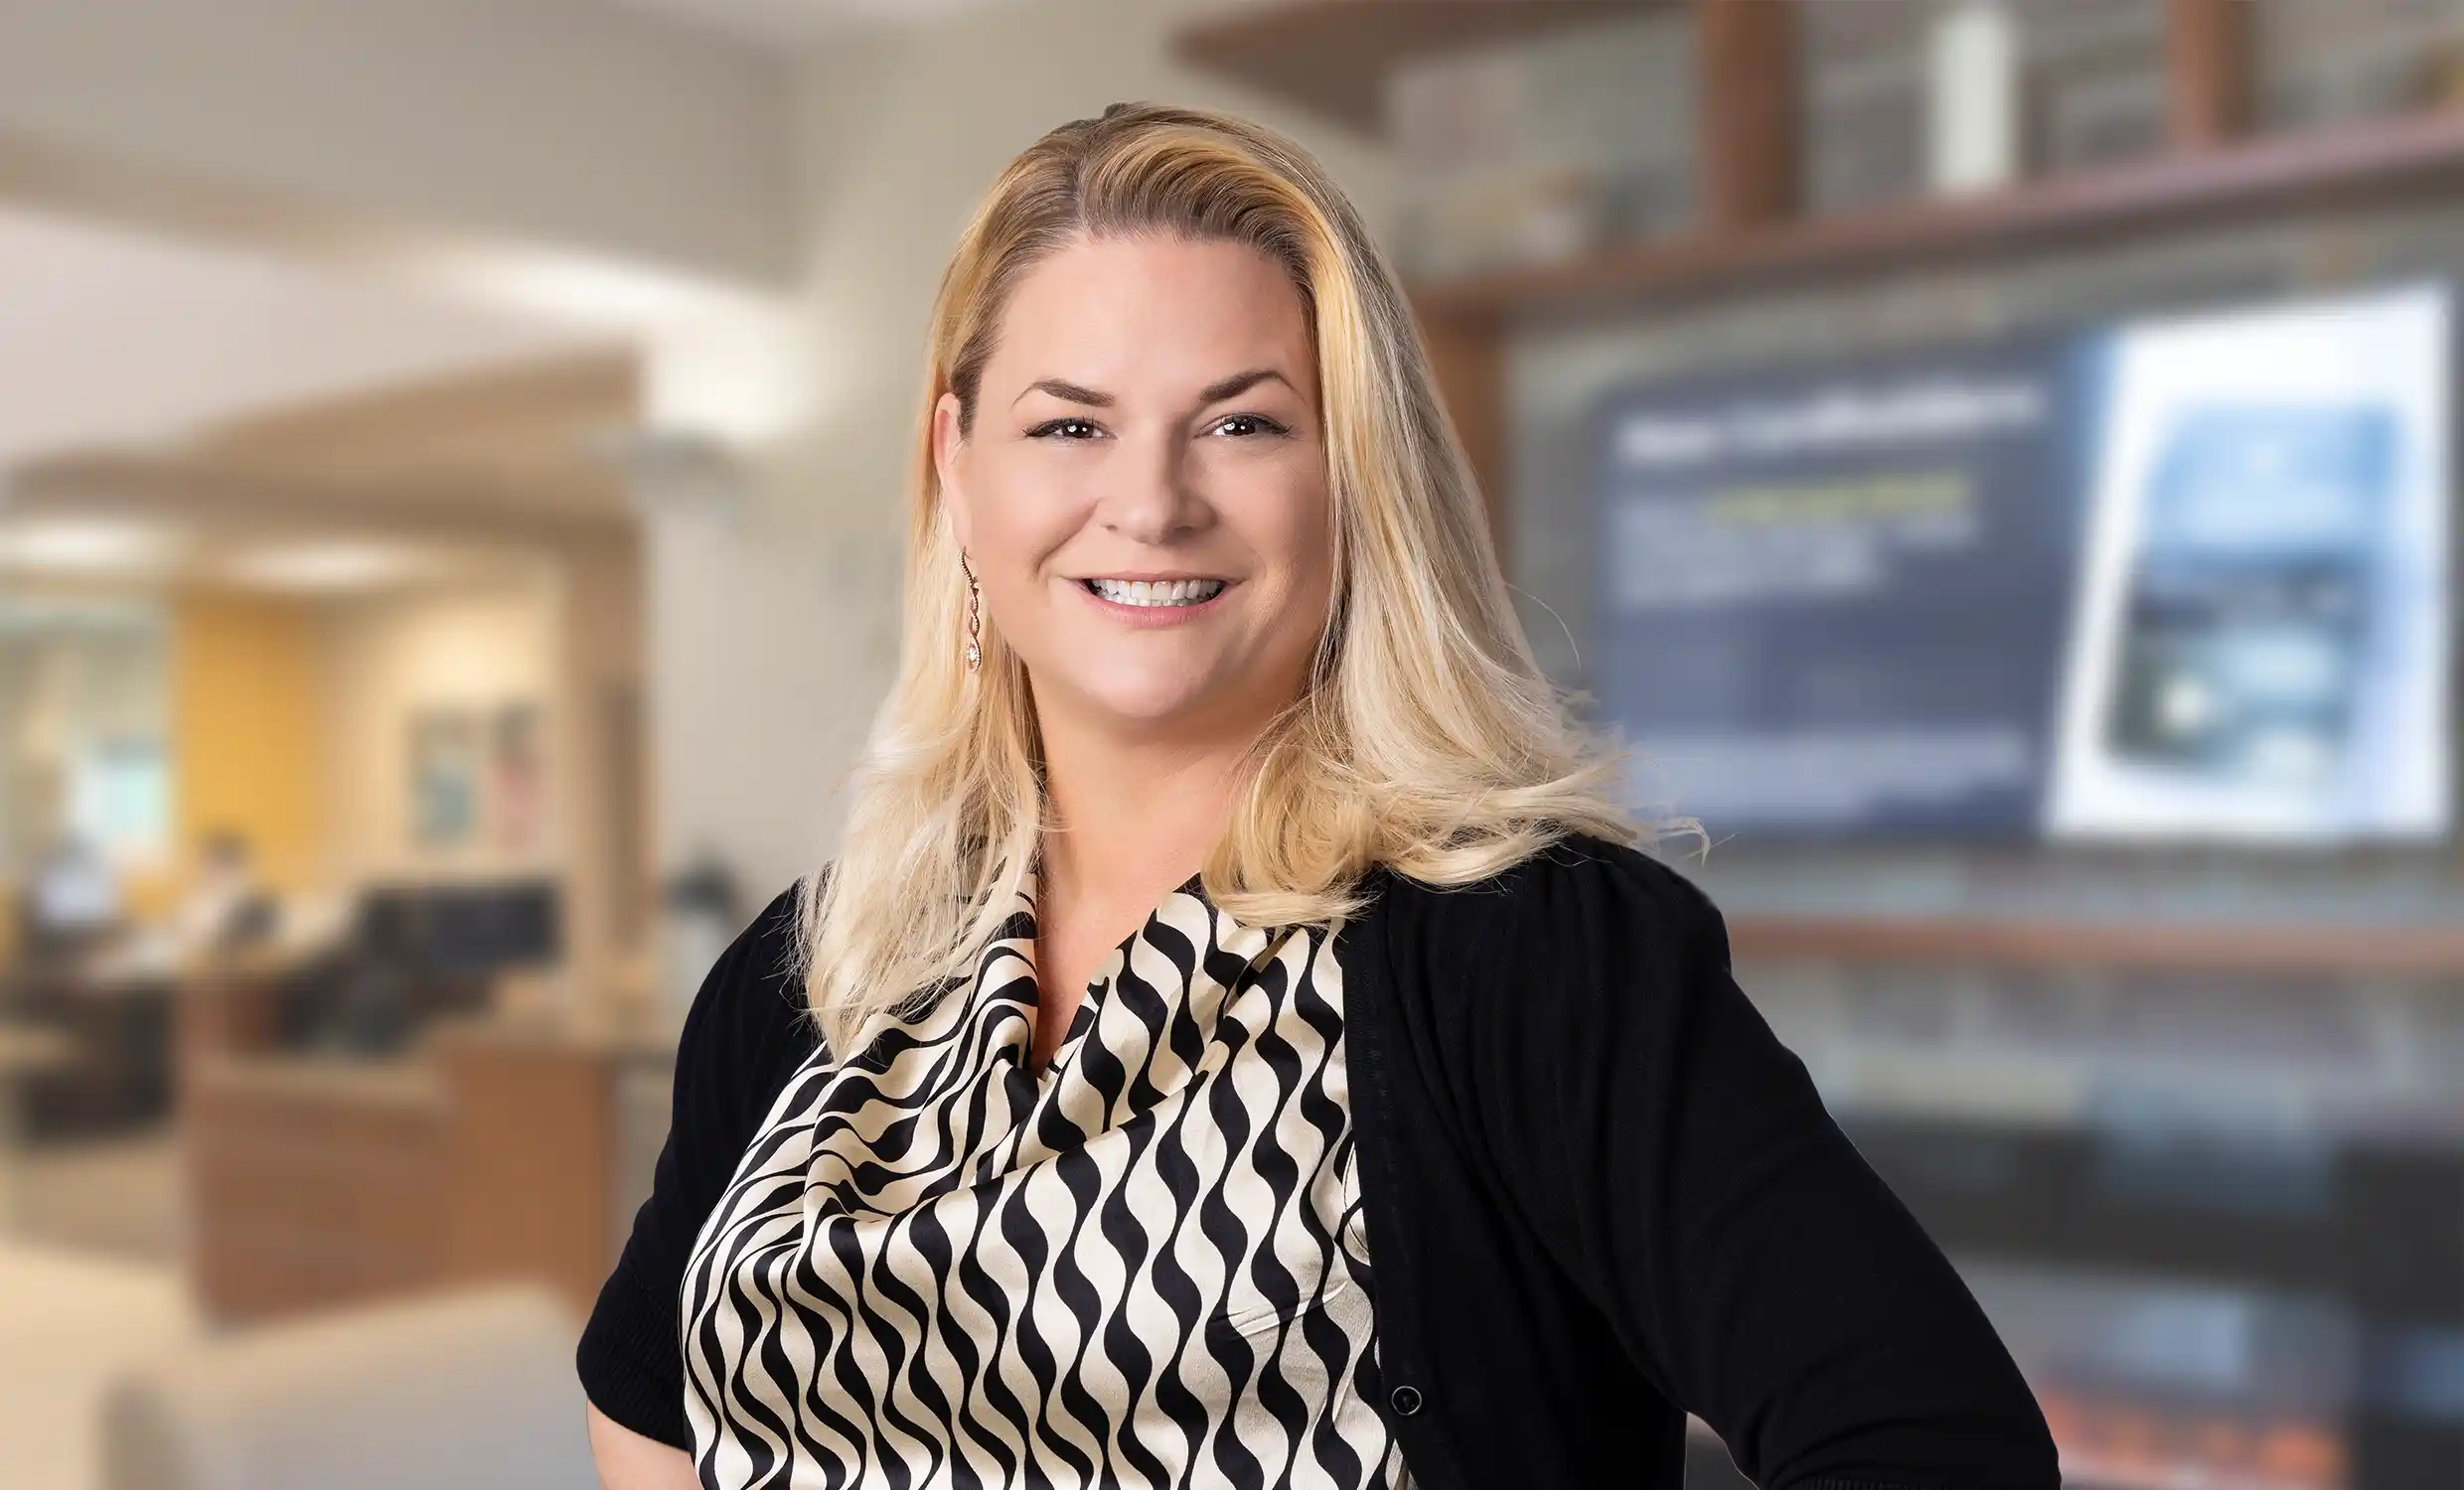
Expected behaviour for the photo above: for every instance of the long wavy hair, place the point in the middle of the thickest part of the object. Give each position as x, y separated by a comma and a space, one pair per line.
1427, 739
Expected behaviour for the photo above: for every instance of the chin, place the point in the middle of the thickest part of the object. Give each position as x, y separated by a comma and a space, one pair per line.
1159, 707
1145, 697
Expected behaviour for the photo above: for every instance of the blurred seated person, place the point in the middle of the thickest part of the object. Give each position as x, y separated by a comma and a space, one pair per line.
69, 903
413, 955
225, 909
357, 995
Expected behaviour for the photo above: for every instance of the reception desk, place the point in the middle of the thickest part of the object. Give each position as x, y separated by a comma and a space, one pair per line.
498, 1148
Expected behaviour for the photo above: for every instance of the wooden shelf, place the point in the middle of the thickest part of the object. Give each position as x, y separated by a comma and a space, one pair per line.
2353, 165
2041, 943
1333, 56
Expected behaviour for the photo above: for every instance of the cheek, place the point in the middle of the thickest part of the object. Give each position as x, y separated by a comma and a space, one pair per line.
1292, 533
1019, 518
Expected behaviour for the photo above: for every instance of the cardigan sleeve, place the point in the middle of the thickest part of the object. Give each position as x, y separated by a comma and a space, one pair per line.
1679, 1162
740, 1042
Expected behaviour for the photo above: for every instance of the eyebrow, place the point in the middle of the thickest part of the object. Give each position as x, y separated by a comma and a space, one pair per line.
1213, 393
1067, 391
1239, 382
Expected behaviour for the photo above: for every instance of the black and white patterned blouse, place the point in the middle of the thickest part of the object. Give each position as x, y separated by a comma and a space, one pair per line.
1144, 1266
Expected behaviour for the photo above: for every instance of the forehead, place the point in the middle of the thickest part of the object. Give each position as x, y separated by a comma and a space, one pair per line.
1154, 313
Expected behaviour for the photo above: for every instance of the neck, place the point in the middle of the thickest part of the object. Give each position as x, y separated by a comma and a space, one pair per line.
1129, 820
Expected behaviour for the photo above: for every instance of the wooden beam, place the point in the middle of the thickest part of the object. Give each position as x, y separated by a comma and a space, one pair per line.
2378, 164
1467, 356
2215, 948
1747, 96
503, 449
2207, 67
226, 501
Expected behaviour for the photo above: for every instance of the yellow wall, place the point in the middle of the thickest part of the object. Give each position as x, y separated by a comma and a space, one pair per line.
247, 734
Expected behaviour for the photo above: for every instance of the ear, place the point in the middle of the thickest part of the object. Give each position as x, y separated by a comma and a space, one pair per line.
948, 442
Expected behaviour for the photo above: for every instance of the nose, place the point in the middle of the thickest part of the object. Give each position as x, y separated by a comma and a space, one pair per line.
1153, 497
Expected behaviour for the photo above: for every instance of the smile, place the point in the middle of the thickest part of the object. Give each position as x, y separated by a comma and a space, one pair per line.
1156, 593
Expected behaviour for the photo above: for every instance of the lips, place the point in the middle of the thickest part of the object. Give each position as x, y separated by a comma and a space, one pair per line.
1159, 594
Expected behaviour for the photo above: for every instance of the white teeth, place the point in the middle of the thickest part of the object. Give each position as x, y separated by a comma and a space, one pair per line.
1156, 592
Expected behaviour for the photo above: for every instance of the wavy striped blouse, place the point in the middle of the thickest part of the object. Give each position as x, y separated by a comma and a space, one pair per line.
1144, 1266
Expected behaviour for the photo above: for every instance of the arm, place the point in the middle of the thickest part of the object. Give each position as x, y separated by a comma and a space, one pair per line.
1678, 1162
740, 1043
629, 1461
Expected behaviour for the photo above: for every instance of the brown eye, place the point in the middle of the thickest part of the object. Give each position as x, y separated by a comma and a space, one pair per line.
1251, 424
1051, 427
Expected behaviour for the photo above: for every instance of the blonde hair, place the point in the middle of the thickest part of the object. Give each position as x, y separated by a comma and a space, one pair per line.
1428, 740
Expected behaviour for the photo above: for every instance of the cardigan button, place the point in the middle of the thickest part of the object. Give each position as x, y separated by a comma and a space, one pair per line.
1406, 1401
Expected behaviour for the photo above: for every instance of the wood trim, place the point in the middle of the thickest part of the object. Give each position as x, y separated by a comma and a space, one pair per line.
1747, 113
1334, 56
2381, 161
1467, 357
496, 453
2207, 66
227, 504
2431, 951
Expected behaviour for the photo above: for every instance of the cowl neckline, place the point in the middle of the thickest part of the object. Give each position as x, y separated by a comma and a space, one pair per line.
1020, 928
950, 1096
934, 1257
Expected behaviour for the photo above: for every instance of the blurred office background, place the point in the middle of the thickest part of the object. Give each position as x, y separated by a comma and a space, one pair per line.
1991, 457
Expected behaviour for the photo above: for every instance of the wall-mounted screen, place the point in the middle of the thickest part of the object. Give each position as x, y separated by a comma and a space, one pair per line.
2180, 578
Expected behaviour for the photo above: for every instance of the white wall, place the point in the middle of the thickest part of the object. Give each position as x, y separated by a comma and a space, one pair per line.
556, 122
112, 337
772, 640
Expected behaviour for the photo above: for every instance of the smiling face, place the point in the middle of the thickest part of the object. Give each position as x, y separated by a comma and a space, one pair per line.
1143, 495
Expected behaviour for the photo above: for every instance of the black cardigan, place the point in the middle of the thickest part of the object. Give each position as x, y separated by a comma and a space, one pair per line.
1599, 1193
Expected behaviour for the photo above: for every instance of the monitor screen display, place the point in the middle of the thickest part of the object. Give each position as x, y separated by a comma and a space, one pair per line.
2173, 578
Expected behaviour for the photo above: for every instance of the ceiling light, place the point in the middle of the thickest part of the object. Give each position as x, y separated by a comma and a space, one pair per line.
87, 545
327, 566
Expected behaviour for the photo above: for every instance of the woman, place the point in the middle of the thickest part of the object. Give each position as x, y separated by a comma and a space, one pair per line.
1237, 1041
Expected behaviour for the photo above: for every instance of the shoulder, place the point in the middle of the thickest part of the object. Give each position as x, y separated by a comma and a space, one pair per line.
1589, 952
763, 956
1580, 897
749, 1020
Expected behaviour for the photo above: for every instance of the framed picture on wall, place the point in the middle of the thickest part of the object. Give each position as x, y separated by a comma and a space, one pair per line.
517, 779
445, 755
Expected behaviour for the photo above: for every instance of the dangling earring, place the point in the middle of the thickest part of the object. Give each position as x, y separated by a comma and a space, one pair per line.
975, 619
